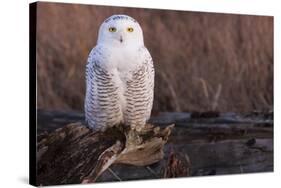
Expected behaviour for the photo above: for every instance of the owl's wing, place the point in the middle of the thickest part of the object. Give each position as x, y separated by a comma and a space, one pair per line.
139, 93
102, 108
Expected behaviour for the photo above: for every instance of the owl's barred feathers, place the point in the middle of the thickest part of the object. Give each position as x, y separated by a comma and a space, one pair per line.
119, 77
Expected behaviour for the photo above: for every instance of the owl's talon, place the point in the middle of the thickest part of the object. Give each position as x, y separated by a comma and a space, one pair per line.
133, 138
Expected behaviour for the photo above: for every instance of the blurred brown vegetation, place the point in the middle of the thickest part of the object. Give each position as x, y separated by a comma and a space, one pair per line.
203, 61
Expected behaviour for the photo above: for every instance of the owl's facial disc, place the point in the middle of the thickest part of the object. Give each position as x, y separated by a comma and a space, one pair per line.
122, 33
120, 30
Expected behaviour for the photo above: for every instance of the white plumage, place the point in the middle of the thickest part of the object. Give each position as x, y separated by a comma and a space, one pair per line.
119, 76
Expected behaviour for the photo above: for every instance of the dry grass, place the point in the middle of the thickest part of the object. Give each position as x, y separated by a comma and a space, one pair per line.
203, 61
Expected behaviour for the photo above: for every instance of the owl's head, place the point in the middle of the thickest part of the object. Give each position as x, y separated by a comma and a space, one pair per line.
120, 30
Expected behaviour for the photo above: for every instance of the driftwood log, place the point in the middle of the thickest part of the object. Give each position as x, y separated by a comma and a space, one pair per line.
200, 144
77, 154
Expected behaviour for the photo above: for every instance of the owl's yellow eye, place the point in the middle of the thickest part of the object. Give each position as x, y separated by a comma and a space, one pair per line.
112, 29
130, 29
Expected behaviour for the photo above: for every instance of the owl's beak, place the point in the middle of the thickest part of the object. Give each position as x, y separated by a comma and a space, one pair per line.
121, 39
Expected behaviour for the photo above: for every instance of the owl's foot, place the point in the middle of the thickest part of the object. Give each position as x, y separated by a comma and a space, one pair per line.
133, 138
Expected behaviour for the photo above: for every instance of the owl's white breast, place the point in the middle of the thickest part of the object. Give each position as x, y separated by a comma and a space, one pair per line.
121, 62
124, 59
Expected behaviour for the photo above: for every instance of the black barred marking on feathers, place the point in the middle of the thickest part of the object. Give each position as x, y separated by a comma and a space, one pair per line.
139, 99
119, 17
101, 102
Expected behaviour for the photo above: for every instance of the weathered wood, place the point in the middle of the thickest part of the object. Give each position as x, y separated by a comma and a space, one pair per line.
195, 148
61, 154
76, 154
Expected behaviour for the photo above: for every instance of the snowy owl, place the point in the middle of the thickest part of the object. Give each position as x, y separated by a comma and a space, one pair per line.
119, 76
